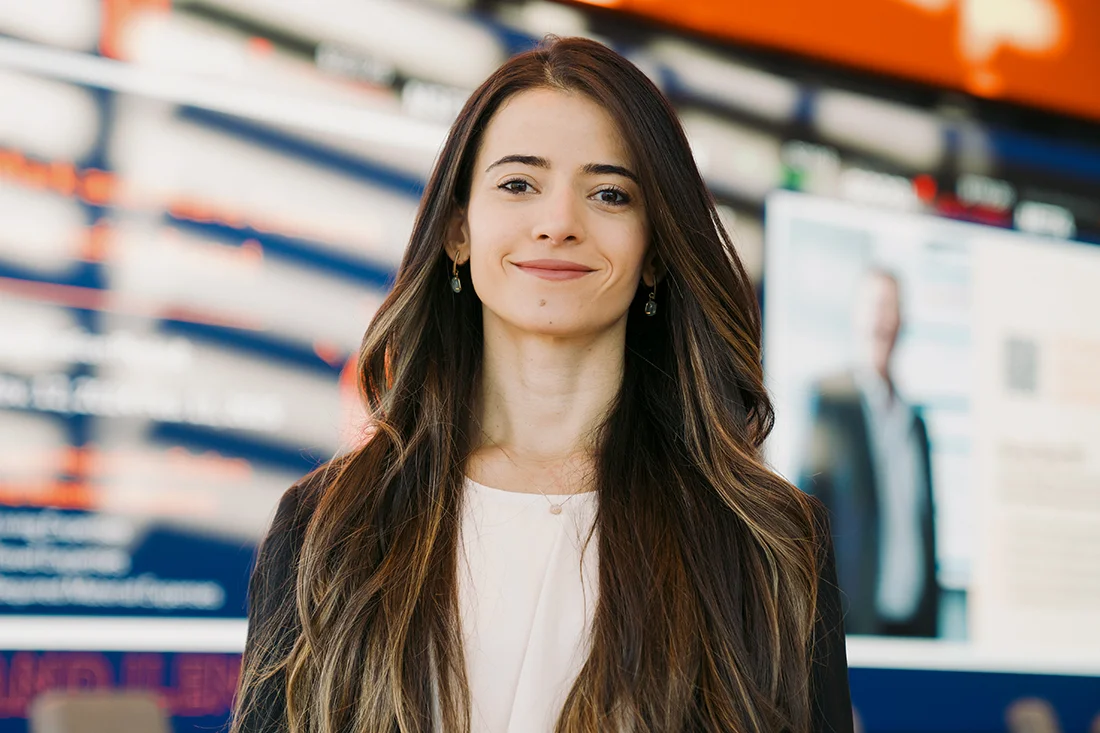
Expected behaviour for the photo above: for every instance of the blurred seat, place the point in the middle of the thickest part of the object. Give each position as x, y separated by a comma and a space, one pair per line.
1032, 715
113, 711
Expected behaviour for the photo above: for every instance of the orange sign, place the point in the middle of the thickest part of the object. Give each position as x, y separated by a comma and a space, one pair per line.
115, 15
1044, 53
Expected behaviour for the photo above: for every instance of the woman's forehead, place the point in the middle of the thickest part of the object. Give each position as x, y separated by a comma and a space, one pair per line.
558, 126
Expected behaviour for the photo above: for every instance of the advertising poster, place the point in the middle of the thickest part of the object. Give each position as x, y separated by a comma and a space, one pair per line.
935, 386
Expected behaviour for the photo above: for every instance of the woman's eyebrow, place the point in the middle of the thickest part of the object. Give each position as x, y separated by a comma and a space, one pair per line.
603, 169
536, 161
532, 160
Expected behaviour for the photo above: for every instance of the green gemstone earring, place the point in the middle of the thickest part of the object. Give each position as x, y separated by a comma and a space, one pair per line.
651, 304
456, 284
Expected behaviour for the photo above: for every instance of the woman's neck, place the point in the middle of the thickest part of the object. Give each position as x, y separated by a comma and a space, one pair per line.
542, 399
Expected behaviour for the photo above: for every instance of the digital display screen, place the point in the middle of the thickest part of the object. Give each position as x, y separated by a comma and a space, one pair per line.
936, 387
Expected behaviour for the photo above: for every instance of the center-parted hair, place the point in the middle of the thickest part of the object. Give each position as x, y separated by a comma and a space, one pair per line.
708, 561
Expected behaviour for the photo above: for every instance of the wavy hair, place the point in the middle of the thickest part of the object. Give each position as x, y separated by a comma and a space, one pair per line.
708, 560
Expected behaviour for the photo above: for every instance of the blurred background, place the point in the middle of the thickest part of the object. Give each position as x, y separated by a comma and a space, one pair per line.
202, 203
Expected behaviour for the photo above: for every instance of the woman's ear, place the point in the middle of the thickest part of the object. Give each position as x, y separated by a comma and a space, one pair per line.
458, 237
653, 269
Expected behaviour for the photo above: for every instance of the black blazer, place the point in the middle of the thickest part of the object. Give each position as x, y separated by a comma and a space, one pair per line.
271, 604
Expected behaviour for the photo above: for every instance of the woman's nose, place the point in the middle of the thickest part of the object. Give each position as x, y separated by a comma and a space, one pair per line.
560, 219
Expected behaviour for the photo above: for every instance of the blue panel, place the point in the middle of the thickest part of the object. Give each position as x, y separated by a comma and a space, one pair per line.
371, 171
920, 701
314, 255
1049, 155
265, 345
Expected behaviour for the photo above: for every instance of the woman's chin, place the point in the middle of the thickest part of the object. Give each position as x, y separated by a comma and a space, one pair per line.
553, 328
547, 325
551, 322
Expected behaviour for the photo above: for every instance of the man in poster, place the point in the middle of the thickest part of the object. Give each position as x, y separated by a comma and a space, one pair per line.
868, 460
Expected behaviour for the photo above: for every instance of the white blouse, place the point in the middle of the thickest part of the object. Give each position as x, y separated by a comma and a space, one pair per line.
526, 603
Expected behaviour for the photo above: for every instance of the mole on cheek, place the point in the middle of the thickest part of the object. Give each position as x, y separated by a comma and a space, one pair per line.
542, 303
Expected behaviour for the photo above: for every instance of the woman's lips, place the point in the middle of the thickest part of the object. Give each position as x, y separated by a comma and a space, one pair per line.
553, 269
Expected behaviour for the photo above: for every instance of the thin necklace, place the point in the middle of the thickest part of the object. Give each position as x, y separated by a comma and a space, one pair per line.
554, 508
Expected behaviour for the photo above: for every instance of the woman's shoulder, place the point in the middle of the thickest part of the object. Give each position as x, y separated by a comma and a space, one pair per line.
278, 552
818, 514
830, 610
298, 502
305, 493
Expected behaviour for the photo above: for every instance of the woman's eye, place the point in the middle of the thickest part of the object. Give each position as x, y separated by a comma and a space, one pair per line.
516, 185
612, 196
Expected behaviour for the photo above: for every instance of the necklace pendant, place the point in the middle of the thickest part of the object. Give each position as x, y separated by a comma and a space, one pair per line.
555, 508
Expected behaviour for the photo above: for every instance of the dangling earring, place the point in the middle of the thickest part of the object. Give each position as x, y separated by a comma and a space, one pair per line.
456, 284
651, 304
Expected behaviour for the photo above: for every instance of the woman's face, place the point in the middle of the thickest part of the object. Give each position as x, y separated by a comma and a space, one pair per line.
556, 229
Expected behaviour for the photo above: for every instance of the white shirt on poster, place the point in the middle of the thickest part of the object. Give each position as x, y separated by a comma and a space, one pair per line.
900, 476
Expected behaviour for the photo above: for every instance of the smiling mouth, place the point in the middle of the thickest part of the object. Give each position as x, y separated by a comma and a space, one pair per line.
553, 269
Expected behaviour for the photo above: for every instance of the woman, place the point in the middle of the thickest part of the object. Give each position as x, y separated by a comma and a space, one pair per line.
561, 520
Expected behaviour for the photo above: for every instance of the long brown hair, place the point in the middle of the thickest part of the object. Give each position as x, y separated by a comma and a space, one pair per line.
707, 559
